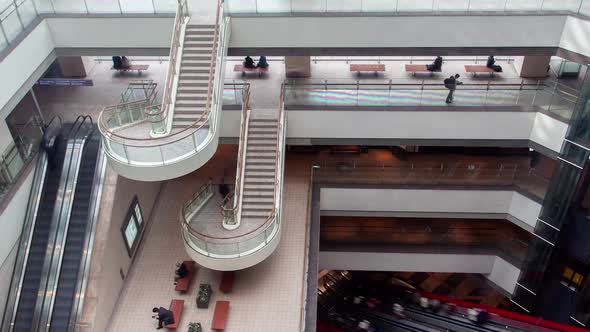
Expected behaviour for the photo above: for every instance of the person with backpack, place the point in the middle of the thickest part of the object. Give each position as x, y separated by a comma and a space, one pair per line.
117, 62
164, 316
451, 84
262, 63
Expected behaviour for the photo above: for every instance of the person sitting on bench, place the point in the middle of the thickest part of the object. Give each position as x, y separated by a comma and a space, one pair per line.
125, 62
492, 64
117, 62
249, 63
164, 316
436, 65
181, 272
262, 63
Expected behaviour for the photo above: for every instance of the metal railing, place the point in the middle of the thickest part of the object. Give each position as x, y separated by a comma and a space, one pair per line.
393, 7
251, 241
551, 96
166, 149
231, 212
425, 173
18, 15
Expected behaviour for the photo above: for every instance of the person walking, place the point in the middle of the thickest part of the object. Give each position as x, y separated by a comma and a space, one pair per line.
451, 84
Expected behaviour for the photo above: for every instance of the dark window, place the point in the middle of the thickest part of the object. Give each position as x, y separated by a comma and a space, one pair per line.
132, 227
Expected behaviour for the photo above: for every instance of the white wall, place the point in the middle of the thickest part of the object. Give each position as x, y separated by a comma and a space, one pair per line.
400, 31
504, 275
230, 124
525, 209
548, 132
410, 124
412, 262
575, 36
97, 32
6, 275
13, 216
19, 65
430, 201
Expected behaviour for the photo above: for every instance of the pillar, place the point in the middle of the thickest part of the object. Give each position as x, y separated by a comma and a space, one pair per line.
532, 66
298, 66
75, 66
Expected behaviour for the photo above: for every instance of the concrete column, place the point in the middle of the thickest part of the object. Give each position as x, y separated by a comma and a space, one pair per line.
298, 66
532, 66
75, 66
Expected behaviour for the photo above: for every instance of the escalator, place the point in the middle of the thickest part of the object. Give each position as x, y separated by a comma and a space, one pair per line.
63, 218
76, 234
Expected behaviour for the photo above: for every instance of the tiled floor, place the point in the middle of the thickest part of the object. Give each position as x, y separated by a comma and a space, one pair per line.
266, 297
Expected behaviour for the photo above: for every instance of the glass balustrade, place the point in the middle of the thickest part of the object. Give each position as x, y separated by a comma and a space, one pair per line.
580, 7
549, 96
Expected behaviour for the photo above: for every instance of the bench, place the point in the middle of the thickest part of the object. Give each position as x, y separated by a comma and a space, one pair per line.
419, 69
220, 315
367, 68
183, 284
176, 306
479, 69
139, 68
244, 70
227, 281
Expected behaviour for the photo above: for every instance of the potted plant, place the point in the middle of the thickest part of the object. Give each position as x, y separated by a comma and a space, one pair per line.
194, 327
203, 296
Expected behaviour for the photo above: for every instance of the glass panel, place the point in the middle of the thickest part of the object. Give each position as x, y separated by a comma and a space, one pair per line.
308, 6
496, 5
339, 6
561, 5
69, 6
452, 5
414, 5
11, 23
523, 4
144, 155
103, 6
273, 6
44, 6
243, 6
135, 6
585, 9
378, 5
27, 12
165, 6
131, 231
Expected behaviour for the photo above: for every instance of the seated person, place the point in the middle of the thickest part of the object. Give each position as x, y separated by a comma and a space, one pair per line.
249, 63
262, 63
436, 65
117, 62
164, 316
181, 272
492, 64
125, 62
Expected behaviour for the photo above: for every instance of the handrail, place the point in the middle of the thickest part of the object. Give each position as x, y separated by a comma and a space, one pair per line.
196, 125
231, 212
268, 222
18, 274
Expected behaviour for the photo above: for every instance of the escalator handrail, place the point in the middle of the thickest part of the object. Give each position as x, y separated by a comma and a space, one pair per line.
59, 226
24, 246
84, 269
78, 124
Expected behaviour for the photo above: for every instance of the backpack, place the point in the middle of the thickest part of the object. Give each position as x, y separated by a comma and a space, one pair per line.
448, 81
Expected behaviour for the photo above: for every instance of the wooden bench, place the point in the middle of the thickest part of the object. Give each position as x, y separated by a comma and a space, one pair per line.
367, 68
227, 281
176, 306
183, 284
479, 69
411, 68
139, 68
244, 70
220, 315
